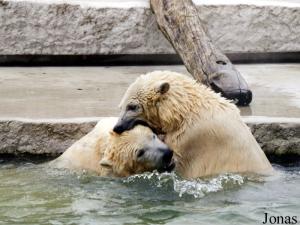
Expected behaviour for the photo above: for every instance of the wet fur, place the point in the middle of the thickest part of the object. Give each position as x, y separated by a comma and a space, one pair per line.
205, 130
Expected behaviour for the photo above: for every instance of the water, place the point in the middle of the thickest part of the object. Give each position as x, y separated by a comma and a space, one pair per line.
35, 194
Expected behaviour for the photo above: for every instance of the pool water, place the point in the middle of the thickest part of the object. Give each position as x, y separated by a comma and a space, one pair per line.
35, 194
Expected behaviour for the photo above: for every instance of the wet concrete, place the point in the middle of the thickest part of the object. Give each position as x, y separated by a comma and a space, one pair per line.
72, 92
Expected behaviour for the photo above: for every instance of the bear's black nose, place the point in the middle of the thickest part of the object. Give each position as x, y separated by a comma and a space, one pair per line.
167, 162
118, 129
167, 156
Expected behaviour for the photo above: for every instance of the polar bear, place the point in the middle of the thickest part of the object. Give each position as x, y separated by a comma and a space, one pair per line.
107, 153
204, 130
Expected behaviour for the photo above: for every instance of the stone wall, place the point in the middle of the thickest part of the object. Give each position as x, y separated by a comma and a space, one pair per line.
53, 138
19, 137
35, 27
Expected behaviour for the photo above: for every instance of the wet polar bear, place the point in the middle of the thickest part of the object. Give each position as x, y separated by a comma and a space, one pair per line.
204, 130
109, 154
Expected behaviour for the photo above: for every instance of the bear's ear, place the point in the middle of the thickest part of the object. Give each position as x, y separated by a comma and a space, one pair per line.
106, 163
163, 88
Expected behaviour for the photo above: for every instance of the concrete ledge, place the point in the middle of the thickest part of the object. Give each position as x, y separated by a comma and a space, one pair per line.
277, 136
90, 27
51, 137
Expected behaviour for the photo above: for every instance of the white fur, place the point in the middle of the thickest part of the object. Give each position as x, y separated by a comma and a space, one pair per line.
205, 130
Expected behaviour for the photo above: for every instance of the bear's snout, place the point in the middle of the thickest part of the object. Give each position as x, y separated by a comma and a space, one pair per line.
128, 123
160, 158
167, 162
118, 128
167, 156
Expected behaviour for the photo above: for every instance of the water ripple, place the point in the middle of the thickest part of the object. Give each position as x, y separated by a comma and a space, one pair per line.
196, 187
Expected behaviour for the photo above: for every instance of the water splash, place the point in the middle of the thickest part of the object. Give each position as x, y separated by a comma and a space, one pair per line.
196, 187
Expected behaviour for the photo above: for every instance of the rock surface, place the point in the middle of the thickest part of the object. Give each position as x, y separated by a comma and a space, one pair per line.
110, 27
19, 137
53, 138
278, 139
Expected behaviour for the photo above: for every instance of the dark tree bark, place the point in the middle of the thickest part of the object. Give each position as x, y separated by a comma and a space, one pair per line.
179, 21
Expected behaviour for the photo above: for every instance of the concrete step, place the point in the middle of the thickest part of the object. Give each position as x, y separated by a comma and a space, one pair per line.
68, 92
276, 136
84, 27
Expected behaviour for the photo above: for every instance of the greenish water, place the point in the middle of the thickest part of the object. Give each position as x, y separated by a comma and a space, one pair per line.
35, 194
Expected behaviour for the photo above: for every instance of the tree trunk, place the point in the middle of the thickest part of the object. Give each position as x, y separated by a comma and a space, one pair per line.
179, 21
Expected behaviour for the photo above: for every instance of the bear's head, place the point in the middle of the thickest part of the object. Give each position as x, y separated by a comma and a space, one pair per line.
136, 151
159, 100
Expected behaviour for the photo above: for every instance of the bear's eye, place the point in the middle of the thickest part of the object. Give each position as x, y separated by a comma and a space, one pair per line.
132, 107
140, 153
